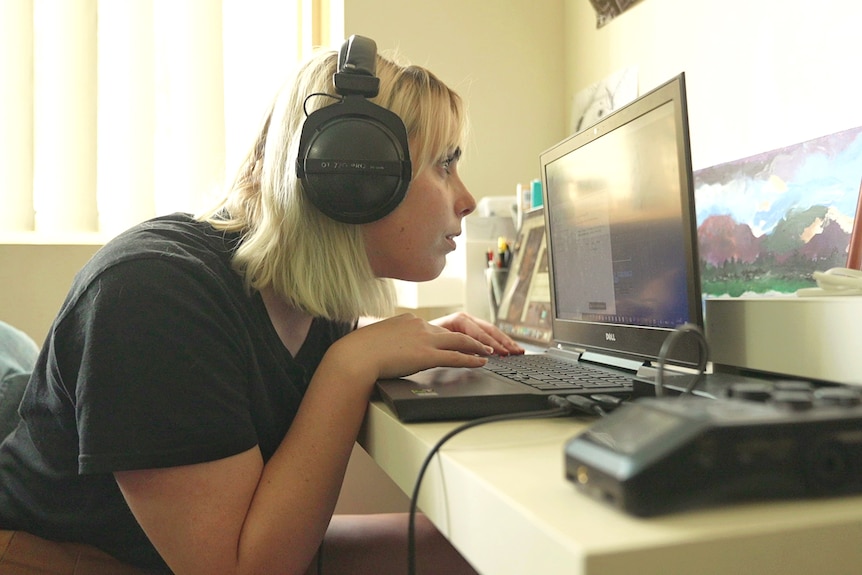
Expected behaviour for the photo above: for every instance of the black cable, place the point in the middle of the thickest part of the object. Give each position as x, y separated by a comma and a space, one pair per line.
583, 404
559, 409
666, 346
310, 96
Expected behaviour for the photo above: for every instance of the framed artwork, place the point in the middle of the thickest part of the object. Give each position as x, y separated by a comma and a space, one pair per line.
766, 222
603, 97
607, 10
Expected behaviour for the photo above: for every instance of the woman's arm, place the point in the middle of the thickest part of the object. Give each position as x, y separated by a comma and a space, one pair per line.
239, 515
475, 327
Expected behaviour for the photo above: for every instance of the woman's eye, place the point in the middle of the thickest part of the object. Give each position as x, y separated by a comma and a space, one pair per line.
447, 162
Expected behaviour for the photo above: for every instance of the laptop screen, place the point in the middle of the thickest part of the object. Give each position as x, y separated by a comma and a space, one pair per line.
622, 230
525, 308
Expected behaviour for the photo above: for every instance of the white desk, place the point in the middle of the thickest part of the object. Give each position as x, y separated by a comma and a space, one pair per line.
498, 492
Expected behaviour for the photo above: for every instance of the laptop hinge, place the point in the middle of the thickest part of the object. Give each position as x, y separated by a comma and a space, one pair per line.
649, 370
631, 365
570, 353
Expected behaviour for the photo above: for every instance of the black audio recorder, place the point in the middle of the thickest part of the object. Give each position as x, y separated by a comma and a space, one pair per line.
658, 455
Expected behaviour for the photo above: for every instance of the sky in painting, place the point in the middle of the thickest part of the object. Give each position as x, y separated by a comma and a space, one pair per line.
762, 189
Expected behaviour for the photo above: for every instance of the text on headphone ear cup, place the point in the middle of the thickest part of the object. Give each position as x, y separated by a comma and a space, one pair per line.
354, 166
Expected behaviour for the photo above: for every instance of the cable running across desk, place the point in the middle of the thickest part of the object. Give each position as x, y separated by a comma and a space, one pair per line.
562, 408
561, 405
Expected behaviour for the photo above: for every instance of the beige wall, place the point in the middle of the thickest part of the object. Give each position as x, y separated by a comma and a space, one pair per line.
34, 279
504, 58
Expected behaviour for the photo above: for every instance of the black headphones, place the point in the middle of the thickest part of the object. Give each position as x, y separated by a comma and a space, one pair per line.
353, 161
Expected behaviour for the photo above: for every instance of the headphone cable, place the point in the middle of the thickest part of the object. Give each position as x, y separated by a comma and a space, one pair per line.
667, 346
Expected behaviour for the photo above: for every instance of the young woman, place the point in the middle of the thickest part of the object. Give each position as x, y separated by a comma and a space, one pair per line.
196, 401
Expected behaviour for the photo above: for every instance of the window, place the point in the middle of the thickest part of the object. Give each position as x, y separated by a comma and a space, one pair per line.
113, 112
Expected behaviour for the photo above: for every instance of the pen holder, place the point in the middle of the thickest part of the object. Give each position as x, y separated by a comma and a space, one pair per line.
496, 280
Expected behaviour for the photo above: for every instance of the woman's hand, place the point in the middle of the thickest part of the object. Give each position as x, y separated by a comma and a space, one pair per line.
481, 330
405, 344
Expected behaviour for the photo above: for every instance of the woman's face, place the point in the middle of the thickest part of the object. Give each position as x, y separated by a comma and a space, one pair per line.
412, 242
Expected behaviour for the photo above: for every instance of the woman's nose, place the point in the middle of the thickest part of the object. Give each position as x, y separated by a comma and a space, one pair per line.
466, 203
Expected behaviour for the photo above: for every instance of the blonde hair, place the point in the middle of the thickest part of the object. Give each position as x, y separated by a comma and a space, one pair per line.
314, 262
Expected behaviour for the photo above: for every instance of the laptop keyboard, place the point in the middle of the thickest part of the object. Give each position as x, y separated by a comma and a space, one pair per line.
547, 373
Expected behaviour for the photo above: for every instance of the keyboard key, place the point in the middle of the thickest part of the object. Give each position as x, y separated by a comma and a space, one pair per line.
551, 374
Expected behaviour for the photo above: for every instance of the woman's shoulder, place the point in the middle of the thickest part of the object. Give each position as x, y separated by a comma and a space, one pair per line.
176, 239
177, 233
164, 255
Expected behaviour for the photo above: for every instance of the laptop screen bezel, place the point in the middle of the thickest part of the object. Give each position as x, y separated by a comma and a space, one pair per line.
642, 343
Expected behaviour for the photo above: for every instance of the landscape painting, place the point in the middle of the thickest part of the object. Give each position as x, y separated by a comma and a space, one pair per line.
766, 222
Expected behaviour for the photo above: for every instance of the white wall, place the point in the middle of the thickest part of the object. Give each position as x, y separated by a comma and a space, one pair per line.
760, 74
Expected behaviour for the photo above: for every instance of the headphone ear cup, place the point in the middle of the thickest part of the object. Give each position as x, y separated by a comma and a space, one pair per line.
354, 160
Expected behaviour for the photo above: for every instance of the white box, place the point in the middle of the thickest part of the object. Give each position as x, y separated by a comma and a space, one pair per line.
480, 235
444, 291
806, 337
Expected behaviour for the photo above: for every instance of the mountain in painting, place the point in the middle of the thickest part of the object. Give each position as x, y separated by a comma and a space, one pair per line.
734, 261
721, 240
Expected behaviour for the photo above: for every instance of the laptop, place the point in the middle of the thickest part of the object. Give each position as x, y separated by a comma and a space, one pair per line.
623, 268
524, 312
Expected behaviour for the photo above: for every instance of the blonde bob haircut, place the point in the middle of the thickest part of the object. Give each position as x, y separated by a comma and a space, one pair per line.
314, 262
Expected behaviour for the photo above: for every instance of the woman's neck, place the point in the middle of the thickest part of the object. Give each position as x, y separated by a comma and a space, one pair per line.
290, 323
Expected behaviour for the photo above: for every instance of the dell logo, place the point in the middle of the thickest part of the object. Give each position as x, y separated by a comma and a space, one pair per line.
610, 336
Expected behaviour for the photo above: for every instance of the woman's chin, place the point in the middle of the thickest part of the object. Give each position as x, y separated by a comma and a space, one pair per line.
422, 275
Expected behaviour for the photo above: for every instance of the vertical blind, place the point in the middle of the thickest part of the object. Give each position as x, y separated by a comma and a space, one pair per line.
113, 111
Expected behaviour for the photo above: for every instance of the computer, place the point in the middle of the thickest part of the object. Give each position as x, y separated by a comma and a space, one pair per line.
524, 312
623, 269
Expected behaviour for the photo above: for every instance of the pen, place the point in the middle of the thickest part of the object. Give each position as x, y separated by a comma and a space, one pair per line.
502, 252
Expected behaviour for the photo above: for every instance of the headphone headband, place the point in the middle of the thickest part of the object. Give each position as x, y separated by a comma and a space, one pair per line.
357, 63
